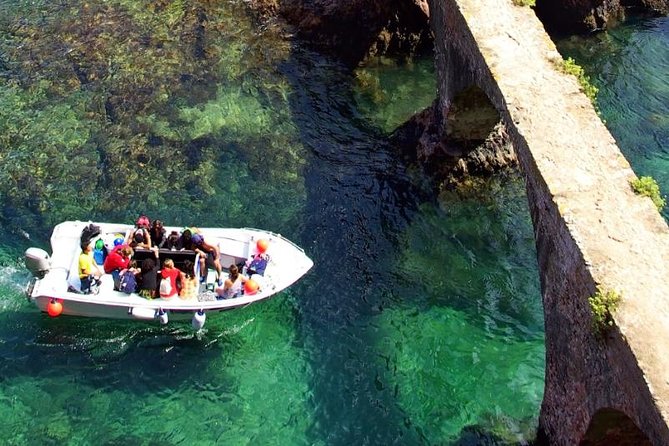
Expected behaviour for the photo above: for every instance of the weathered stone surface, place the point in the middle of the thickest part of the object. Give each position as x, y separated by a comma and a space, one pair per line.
590, 228
582, 16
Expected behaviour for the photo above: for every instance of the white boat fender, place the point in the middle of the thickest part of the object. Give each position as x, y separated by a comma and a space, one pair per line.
142, 313
162, 315
198, 320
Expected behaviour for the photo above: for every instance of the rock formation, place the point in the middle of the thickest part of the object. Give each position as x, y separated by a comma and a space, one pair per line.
475, 143
470, 139
351, 30
582, 16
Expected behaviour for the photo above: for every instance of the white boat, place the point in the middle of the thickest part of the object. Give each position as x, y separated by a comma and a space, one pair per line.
51, 289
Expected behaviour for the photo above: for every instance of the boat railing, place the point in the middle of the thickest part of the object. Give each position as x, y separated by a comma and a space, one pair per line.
262, 231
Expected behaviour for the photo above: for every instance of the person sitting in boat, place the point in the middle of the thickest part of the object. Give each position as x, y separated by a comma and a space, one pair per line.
209, 257
140, 237
169, 279
147, 279
172, 241
89, 271
116, 261
133, 268
158, 233
189, 284
257, 264
128, 278
233, 285
186, 240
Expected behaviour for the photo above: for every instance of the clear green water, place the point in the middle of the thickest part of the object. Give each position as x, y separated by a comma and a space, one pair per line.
630, 66
421, 322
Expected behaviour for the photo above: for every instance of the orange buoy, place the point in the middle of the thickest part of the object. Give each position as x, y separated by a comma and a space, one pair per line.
54, 308
262, 245
251, 287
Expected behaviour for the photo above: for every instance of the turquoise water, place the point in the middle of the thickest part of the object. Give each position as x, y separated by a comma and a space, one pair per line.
629, 65
421, 321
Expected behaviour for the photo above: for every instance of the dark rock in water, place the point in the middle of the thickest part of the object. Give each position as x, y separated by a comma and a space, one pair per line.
453, 154
583, 16
353, 29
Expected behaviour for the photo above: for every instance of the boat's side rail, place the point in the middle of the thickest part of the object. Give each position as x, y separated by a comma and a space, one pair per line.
279, 236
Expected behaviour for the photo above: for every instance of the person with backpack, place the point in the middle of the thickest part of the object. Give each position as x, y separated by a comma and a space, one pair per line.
128, 282
117, 261
169, 276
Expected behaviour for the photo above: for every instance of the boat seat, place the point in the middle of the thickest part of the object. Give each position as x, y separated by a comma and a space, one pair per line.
233, 252
179, 257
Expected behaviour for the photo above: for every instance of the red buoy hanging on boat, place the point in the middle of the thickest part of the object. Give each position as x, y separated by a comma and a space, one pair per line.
54, 308
262, 245
250, 287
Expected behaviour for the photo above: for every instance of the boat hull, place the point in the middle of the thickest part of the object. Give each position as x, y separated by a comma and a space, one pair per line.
130, 311
53, 290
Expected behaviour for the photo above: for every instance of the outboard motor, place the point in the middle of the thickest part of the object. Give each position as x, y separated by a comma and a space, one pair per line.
37, 261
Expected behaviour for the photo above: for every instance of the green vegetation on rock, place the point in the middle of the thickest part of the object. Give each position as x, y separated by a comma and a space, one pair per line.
648, 187
530, 3
569, 66
603, 304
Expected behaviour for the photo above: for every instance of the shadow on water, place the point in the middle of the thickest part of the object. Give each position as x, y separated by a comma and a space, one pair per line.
358, 193
361, 204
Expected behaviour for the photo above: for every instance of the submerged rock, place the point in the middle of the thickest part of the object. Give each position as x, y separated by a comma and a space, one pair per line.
582, 16
351, 30
450, 156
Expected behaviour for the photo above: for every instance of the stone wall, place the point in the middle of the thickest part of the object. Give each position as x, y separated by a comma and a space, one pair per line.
590, 228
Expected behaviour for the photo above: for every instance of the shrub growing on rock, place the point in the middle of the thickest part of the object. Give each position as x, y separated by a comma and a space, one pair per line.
603, 304
648, 187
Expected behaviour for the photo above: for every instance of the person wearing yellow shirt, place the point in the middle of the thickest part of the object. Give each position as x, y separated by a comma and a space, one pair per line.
89, 271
